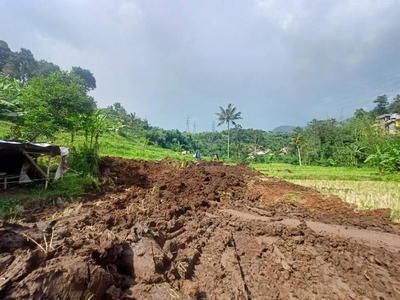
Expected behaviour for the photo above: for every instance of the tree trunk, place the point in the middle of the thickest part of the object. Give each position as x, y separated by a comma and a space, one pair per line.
96, 142
298, 151
228, 140
72, 141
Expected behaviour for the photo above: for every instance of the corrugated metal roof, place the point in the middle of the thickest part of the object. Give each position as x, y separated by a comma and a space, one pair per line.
40, 148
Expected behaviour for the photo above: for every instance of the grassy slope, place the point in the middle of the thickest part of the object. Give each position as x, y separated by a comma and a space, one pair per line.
115, 145
110, 144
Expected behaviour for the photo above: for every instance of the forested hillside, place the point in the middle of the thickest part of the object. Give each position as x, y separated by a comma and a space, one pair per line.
40, 100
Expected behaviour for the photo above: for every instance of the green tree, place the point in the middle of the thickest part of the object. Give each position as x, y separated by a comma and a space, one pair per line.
20, 65
355, 150
10, 67
240, 150
359, 113
27, 65
5, 53
228, 116
382, 104
380, 159
394, 107
38, 123
87, 76
86, 159
257, 139
60, 95
44, 68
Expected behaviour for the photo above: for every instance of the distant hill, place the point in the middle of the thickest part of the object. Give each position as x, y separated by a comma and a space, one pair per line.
284, 128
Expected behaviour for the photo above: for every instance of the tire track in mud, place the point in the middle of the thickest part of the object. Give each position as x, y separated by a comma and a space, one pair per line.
390, 242
241, 269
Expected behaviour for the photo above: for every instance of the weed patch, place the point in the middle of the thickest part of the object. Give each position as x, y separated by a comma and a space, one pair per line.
71, 186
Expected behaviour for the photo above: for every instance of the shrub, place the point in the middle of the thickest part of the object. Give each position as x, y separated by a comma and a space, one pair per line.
84, 161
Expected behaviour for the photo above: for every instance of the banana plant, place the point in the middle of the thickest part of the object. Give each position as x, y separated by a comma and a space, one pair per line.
9, 92
355, 151
93, 127
380, 159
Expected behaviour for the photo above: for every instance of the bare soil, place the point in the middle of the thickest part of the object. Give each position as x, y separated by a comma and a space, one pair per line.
205, 231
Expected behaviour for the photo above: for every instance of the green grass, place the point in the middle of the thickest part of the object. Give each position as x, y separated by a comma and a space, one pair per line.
111, 145
4, 128
115, 145
292, 172
70, 186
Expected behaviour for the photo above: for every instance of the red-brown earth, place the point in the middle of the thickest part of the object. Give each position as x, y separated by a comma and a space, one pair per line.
205, 231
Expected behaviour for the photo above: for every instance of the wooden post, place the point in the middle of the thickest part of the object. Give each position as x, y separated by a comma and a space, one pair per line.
35, 164
48, 171
62, 170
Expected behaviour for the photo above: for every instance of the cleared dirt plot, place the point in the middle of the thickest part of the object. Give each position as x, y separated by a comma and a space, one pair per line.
205, 231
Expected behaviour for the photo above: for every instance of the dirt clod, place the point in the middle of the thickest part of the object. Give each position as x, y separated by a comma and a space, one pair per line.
205, 231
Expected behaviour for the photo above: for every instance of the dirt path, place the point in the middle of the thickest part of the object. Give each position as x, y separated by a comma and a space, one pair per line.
202, 232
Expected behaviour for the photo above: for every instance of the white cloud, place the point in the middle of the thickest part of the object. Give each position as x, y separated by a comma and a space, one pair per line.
165, 59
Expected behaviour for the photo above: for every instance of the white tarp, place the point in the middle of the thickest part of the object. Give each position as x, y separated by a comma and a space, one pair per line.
62, 167
24, 178
36, 149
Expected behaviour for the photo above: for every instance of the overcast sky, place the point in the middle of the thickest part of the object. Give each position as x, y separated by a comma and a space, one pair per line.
280, 62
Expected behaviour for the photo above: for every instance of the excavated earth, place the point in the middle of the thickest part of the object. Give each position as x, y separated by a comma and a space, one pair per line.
205, 231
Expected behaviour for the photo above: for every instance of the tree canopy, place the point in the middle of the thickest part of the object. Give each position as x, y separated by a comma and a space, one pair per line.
87, 76
51, 101
382, 105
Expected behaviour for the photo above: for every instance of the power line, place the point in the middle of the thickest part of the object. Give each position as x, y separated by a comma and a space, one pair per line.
213, 126
187, 124
194, 127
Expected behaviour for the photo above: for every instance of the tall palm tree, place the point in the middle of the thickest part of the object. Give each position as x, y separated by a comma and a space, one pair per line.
228, 115
297, 140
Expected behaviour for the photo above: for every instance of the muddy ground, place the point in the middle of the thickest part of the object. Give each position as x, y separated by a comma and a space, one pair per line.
205, 231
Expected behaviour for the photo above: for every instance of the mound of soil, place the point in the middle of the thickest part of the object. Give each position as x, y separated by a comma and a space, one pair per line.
204, 231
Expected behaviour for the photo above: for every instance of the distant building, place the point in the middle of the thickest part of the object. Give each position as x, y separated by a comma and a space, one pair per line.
389, 123
259, 152
283, 151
